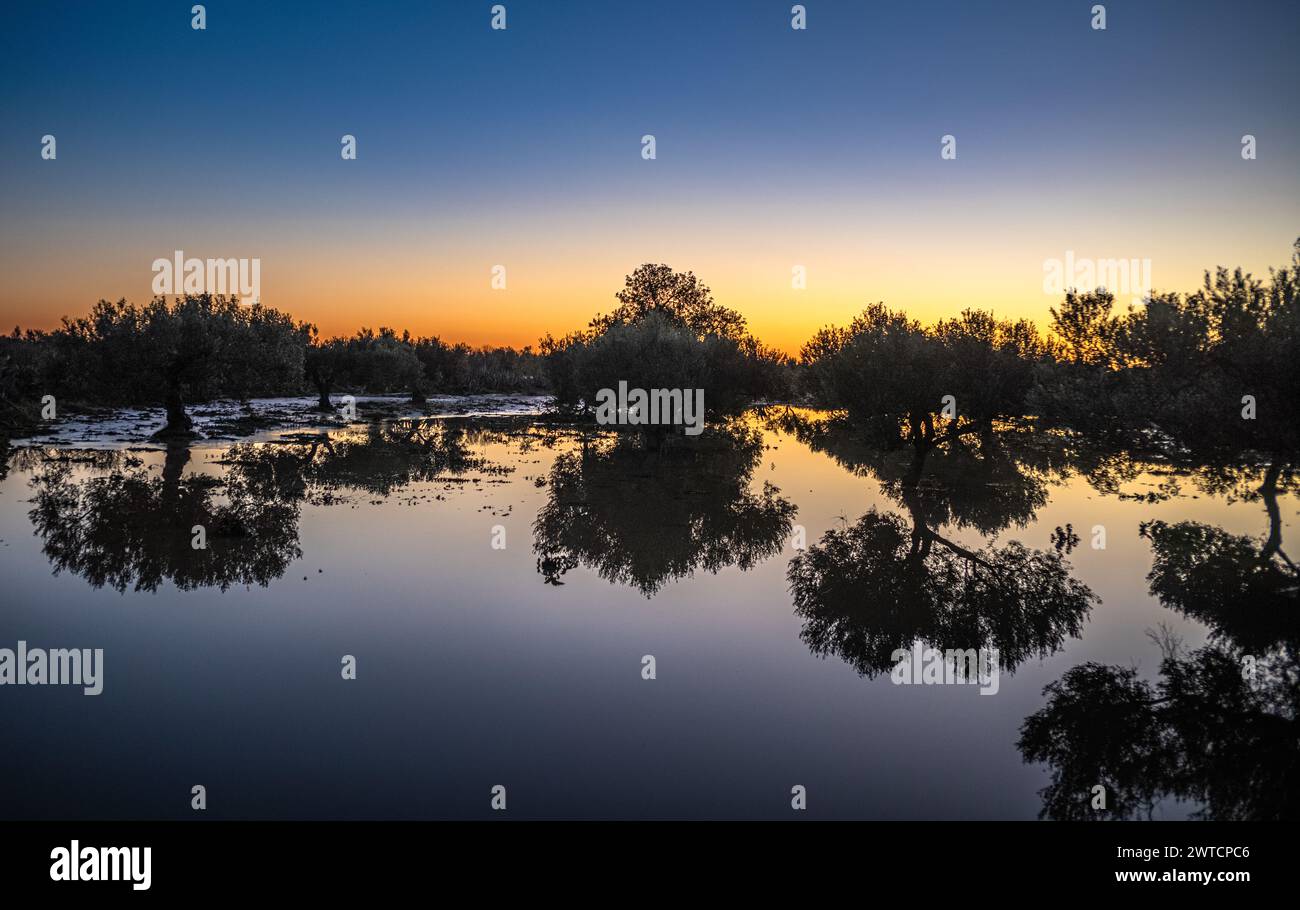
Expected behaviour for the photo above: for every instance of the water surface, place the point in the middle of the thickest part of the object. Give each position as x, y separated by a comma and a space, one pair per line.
521, 665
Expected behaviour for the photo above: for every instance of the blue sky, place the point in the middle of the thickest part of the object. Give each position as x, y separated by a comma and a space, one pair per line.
524, 144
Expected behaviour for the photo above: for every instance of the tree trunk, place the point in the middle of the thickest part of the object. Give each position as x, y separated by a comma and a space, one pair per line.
323, 390
1268, 492
178, 456
914, 425
178, 422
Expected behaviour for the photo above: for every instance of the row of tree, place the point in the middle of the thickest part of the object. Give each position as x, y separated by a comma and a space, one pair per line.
204, 347
1206, 373
1209, 371
388, 362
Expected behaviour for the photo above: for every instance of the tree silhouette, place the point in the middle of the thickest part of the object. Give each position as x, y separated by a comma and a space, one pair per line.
326, 364
888, 372
883, 583
1220, 726
1203, 732
680, 297
1085, 326
643, 516
130, 527
198, 347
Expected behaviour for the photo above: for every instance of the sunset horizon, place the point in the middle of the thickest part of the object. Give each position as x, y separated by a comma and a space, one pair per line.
823, 149
778, 321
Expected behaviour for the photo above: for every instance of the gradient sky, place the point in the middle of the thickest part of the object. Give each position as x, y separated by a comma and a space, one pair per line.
775, 148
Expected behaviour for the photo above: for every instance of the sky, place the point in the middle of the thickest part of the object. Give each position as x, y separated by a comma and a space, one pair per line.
522, 147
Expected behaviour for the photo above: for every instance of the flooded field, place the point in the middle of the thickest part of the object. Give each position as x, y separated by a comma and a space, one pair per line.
619, 626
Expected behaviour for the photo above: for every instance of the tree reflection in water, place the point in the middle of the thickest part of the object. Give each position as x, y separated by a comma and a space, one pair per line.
1219, 725
887, 582
129, 526
643, 514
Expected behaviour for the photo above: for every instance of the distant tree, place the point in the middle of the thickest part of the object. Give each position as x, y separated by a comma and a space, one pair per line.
1085, 325
26, 373
882, 365
679, 296
445, 365
560, 358
326, 363
196, 348
270, 358
384, 362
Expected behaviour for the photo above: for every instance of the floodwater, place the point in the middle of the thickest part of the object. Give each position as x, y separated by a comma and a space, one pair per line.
500, 581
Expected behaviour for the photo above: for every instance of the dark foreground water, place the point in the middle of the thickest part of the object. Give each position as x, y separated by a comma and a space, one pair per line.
500, 580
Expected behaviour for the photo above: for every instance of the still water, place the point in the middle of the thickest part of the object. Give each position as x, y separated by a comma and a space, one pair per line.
499, 581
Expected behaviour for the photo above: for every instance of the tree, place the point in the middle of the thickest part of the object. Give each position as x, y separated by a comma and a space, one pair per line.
26, 365
445, 365
326, 364
680, 296
883, 365
1204, 351
654, 352
989, 364
384, 362
560, 358
1085, 325
196, 348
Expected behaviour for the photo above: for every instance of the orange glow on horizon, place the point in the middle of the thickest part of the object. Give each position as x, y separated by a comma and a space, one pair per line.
451, 295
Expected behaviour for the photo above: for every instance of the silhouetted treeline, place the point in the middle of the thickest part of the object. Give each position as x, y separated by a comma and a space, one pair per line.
387, 362
1201, 373
203, 347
